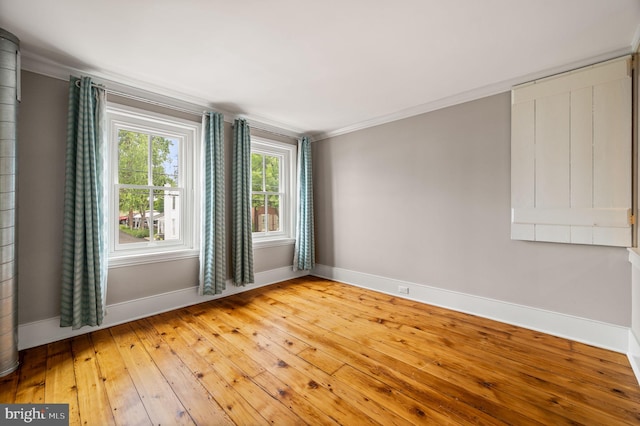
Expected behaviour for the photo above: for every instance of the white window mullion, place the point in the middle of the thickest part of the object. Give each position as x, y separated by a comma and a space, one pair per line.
149, 161
150, 216
265, 217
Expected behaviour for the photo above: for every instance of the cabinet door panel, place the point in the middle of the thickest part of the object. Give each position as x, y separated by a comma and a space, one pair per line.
552, 157
523, 155
571, 157
612, 144
582, 148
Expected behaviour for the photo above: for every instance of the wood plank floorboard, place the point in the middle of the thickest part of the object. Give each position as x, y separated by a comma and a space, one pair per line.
314, 351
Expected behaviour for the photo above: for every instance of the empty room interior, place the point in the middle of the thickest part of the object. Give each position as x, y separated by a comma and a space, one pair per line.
295, 212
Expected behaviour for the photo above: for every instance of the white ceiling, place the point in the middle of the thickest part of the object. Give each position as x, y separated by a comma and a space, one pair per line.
322, 67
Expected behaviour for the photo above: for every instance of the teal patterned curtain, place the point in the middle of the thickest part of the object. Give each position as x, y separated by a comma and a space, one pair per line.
304, 256
84, 251
213, 252
242, 250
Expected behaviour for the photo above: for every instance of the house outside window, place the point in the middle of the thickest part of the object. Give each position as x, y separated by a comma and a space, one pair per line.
152, 186
272, 192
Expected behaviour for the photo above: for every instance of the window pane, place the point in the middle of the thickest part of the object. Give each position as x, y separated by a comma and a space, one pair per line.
256, 172
165, 160
133, 158
258, 216
272, 173
166, 205
273, 213
132, 217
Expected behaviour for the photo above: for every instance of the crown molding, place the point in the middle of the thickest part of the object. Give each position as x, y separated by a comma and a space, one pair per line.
635, 43
45, 66
471, 95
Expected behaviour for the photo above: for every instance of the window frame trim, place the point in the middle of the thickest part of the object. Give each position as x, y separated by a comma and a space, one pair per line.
189, 132
287, 151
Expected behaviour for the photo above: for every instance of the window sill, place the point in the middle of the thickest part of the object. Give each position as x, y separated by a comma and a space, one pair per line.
146, 258
276, 242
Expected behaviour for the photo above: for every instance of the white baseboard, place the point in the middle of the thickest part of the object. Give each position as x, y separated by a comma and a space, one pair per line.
604, 335
46, 331
596, 333
634, 354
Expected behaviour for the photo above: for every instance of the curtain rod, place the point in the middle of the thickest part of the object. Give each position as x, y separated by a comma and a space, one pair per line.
173, 107
145, 100
156, 103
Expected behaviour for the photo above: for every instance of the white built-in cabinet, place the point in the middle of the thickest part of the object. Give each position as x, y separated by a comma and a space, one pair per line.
571, 157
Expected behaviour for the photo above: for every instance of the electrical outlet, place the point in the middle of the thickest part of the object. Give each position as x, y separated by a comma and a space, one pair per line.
403, 289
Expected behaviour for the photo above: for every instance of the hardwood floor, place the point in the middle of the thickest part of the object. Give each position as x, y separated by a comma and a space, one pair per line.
312, 351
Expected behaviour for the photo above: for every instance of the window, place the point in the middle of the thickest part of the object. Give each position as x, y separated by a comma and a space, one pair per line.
152, 169
272, 191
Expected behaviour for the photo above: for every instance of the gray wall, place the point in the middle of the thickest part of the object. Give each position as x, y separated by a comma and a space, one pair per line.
41, 145
427, 200
42, 130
